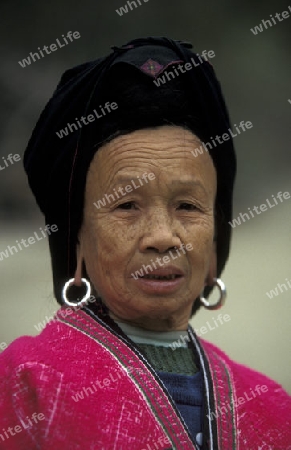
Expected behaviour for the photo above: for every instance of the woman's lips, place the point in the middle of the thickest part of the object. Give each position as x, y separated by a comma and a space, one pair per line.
163, 280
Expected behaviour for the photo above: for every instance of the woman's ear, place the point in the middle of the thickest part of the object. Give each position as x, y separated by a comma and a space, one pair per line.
79, 256
212, 272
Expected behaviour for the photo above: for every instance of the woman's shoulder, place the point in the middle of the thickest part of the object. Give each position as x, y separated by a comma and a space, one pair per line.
258, 403
243, 377
59, 346
32, 349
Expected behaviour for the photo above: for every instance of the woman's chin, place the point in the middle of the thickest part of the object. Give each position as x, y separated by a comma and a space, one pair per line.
154, 309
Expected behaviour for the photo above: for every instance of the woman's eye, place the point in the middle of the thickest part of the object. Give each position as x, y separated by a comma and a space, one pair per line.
187, 206
127, 205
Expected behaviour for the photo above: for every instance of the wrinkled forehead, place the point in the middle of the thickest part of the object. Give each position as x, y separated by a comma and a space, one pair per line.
165, 151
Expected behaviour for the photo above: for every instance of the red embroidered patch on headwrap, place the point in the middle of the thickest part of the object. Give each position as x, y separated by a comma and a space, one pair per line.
151, 67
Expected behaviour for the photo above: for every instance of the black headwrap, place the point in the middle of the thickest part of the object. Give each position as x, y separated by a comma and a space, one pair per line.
57, 167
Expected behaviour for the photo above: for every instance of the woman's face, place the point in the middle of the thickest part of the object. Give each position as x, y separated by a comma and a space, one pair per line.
145, 195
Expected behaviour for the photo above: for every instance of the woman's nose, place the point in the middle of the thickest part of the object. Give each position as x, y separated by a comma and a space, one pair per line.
160, 233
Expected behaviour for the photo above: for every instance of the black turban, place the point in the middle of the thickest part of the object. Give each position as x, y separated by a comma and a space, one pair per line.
57, 166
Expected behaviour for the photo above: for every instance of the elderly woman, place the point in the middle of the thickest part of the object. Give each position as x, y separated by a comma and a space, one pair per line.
143, 236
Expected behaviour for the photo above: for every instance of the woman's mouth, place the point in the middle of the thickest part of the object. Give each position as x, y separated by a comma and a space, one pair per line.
164, 280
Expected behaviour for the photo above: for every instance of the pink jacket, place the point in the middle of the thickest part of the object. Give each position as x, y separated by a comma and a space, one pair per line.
81, 384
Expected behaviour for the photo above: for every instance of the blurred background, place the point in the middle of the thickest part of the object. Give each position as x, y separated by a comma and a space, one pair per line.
254, 71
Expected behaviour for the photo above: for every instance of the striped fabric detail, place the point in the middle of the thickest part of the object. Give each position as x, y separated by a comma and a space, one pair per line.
209, 426
221, 408
224, 403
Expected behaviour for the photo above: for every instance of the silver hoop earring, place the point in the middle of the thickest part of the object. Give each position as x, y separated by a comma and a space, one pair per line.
84, 300
221, 286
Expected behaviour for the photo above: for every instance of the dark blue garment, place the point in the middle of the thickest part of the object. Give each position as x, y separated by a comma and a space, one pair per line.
187, 393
